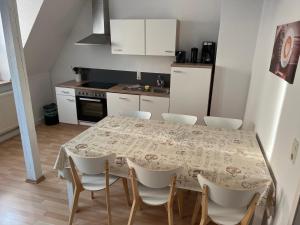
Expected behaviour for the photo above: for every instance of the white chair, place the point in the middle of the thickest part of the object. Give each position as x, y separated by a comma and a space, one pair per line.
152, 188
139, 114
179, 118
225, 206
220, 122
94, 177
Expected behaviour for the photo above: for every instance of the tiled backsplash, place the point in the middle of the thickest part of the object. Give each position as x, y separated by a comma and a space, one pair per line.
123, 77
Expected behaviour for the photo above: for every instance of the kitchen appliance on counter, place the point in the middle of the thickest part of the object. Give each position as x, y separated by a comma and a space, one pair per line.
91, 103
180, 56
208, 52
194, 55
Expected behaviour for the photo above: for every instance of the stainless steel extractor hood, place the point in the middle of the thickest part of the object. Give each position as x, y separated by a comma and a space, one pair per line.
101, 28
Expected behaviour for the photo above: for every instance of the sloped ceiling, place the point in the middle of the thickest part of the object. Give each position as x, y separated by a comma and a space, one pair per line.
49, 33
28, 11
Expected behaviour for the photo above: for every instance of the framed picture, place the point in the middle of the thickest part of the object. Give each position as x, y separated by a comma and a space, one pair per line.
286, 51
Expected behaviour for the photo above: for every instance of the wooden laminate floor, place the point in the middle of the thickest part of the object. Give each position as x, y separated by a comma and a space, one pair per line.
43, 204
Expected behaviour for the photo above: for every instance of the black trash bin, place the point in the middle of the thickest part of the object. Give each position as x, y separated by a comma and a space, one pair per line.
51, 114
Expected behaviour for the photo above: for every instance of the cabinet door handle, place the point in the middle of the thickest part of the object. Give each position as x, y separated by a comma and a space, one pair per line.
66, 92
71, 100
118, 50
123, 98
146, 100
177, 71
90, 100
169, 51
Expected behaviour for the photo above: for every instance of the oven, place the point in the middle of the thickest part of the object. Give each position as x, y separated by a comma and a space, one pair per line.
91, 106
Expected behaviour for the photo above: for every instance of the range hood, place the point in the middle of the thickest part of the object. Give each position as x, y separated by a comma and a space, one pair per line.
101, 28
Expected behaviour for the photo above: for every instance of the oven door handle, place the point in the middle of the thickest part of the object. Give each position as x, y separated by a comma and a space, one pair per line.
90, 100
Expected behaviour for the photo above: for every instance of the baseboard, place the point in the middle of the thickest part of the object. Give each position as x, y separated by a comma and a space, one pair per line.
39, 121
9, 135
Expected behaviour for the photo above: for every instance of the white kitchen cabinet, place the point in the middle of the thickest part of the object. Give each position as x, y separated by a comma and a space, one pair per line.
189, 91
120, 104
161, 37
155, 105
127, 36
66, 105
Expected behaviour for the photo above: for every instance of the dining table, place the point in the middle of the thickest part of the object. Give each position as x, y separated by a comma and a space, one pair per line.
230, 158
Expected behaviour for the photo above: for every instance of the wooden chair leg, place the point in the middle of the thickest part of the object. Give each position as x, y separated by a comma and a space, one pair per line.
108, 205
74, 206
196, 209
92, 195
134, 208
205, 221
170, 214
125, 185
180, 202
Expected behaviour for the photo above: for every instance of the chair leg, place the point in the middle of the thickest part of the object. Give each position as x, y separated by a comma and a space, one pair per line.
74, 206
92, 195
196, 209
205, 221
125, 185
170, 214
108, 205
180, 202
134, 208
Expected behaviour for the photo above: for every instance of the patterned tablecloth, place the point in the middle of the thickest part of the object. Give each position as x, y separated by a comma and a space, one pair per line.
231, 158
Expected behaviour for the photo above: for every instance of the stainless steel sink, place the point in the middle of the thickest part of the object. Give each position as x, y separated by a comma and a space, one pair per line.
161, 90
151, 89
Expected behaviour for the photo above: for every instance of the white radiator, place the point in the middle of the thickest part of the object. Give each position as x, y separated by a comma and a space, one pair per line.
8, 115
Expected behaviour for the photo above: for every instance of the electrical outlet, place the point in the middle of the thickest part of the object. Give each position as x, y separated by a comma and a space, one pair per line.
295, 148
138, 75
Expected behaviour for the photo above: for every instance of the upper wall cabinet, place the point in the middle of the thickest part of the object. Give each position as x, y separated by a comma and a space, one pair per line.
143, 37
161, 37
127, 37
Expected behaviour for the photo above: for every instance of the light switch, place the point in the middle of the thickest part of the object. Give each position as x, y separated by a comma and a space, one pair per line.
138, 75
295, 148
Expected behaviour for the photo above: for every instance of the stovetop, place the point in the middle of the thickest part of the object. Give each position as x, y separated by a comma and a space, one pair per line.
94, 84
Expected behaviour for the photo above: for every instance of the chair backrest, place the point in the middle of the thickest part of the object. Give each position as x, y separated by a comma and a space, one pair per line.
152, 178
179, 118
139, 114
219, 122
226, 197
91, 165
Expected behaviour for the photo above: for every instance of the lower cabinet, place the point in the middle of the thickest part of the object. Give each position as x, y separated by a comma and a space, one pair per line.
119, 104
67, 111
155, 105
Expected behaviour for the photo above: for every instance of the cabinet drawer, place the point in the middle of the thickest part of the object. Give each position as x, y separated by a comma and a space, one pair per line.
120, 104
155, 105
65, 91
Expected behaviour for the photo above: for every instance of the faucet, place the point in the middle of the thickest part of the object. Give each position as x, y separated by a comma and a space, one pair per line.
160, 82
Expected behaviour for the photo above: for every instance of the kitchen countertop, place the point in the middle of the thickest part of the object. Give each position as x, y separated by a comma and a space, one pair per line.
192, 65
118, 88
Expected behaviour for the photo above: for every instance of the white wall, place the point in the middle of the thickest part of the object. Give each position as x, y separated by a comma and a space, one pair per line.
236, 43
41, 93
4, 68
44, 29
199, 22
273, 108
28, 11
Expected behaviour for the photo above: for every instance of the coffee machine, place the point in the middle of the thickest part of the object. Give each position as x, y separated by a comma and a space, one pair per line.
208, 53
